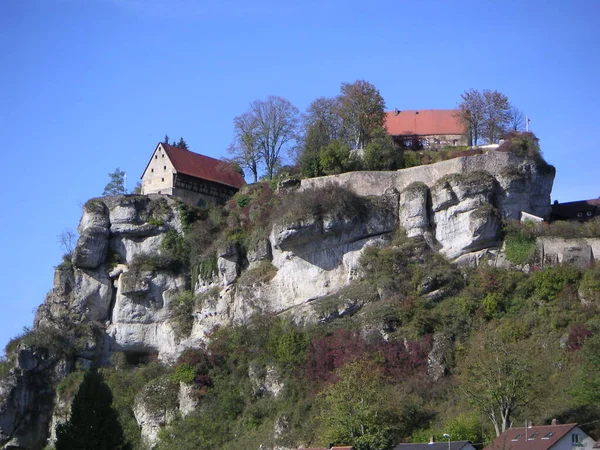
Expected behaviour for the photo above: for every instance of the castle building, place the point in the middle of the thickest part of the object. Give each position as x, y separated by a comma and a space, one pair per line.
190, 176
429, 128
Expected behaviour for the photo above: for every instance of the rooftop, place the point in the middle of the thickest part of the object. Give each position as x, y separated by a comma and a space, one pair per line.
424, 122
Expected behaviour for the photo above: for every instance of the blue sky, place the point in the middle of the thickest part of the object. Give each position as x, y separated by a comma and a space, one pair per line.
90, 85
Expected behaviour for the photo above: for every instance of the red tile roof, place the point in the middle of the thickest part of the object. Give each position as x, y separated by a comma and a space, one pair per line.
205, 167
532, 438
424, 122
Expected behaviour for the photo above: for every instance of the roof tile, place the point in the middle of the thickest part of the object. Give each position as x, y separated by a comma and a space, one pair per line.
424, 122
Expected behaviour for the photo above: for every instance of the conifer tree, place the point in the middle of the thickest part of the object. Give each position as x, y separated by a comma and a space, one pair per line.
93, 423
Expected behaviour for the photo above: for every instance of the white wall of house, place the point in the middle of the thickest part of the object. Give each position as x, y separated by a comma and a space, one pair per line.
158, 177
576, 439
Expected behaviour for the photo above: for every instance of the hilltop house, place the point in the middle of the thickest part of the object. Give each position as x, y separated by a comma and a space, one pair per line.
426, 128
190, 176
547, 437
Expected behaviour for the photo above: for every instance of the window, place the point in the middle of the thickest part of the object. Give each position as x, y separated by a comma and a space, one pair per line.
455, 142
408, 142
155, 156
533, 436
162, 155
162, 179
517, 437
579, 214
151, 170
548, 435
589, 214
575, 438
164, 167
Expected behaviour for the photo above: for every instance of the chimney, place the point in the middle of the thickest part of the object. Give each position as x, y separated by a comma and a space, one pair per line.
396, 112
431, 440
530, 424
554, 422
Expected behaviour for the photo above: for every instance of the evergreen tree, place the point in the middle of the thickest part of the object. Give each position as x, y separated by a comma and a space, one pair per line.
166, 139
182, 144
93, 424
116, 185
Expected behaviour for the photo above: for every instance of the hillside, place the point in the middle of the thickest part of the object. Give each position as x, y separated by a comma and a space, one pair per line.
366, 308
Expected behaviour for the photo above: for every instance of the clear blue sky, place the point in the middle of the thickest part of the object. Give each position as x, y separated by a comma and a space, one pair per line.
90, 85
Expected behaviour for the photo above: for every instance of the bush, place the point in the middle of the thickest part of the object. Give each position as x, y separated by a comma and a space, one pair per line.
262, 273
330, 201
520, 242
181, 308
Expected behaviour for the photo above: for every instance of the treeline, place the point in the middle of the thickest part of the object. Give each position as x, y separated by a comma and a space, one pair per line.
347, 132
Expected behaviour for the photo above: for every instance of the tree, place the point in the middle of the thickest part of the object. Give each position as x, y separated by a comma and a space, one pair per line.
317, 137
116, 186
182, 144
500, 378
275, 127
472, 113
244, 149
497, 115
517, 120
67, 239
382, 153
166, 139
93, 423
587, 386
356, 410
487, 114
361, 108
336, 158
325, 111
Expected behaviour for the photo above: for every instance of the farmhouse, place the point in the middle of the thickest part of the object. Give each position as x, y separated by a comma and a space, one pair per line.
193, 177
426, 128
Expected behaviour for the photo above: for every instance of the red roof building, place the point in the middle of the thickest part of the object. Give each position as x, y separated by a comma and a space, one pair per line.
188, 175
556, 437
426, 128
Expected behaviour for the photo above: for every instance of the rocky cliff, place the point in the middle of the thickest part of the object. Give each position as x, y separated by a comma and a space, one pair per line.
110, 298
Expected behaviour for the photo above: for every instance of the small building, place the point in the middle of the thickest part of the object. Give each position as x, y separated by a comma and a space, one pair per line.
580, 211
433, 445
190, 176
546, 437
429, 128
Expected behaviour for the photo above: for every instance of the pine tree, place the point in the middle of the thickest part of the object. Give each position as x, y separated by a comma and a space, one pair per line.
116, 185
182, 144
93, 424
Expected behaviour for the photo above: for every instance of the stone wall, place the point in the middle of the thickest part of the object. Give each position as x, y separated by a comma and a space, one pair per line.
507, 168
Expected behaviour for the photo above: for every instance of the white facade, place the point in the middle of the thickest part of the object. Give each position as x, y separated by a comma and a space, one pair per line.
158, 176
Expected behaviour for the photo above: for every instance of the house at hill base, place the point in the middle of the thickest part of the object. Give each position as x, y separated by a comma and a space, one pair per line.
546, 437
433, 445
429, 128
190, 176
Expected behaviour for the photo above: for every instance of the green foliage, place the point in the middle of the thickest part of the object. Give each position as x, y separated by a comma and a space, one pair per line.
93, 422
520, 243
548, 283
125, 384
184, 373
336, 157
381, 153
287, 344
181, 308
176, 247
68, 386
145, 262
586, 390
590, 284
356, 411
116, 185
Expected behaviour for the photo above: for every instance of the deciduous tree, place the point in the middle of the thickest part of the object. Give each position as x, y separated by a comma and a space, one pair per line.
361, 108
274, 129
500, 378
497, 115
244, 149
472, 113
